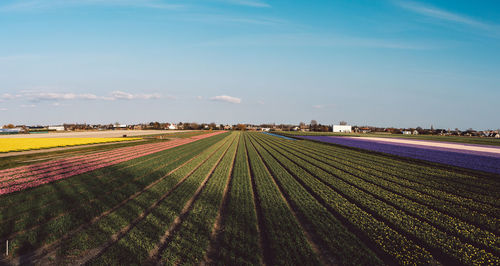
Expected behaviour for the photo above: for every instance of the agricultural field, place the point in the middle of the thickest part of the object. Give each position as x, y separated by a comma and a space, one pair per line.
482, 158
240, 198
454, 139
24, 144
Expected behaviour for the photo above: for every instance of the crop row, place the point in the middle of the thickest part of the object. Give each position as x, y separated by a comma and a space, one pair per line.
368, 196
446, 214
77, 188
408, 176
465, 159
363, 224
444, 222
100, 162
145, 228
451, 181
69, 201
60, 225
338, 244
237, 241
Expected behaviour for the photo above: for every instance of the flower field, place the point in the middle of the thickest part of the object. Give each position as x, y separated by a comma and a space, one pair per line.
23, 144
467, 159
247, 199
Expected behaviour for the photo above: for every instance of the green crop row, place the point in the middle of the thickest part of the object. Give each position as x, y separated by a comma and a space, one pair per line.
482, 212
344, 247
397, 246
285, 242
238, 242
478, 188
475, 213
171, 195
198, 225
61, 225
435, 239
89, 187
445, 222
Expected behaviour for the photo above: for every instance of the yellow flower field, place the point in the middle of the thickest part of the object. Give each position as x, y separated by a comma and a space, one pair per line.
22, 144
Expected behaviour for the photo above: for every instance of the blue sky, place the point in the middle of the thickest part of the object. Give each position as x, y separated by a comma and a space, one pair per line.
383, 63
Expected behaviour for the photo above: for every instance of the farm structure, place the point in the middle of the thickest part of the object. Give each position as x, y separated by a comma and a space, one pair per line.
342, 128
251, 198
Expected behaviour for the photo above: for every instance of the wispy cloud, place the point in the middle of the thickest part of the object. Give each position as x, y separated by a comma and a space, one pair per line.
27, 106
35, 96
30, 5
317, 40
444, 15
251, 3
318, 106
4, 109
225, 98
225, 19
120, 95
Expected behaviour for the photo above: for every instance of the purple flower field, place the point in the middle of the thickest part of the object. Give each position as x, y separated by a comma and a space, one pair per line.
467, 159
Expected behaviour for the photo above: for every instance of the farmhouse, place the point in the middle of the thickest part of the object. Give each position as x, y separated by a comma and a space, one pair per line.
120, 126
56, 128
497, 136
342, 128
172, 126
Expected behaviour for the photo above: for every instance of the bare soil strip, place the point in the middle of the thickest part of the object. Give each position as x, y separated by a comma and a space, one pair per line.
155, 253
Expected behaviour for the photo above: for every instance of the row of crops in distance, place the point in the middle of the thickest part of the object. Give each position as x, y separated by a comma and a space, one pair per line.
250, 199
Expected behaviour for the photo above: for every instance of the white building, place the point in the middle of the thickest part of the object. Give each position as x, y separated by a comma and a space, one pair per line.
342, 128
56, 128
172, 126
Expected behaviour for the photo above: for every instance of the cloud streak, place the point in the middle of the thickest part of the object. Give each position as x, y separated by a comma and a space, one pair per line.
441, 14
43, 4
55, 96
226, 98
316, 40
250, 3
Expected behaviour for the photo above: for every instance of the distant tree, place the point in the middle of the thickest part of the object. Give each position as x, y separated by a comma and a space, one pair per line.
212, 126
314, 125
8, 126
241, 127
342, 123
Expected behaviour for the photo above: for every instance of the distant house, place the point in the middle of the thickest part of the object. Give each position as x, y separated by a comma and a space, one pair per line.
342, 128
364, 130
10, 130
497, 136
172, 127
265, 129
406, 132
415, 132
120, 126
56, 128
227, 127
295, 128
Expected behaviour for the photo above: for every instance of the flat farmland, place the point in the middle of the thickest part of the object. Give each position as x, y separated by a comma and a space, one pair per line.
240, 198
92, 134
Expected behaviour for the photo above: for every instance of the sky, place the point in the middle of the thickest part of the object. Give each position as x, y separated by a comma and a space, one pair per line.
388, 63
